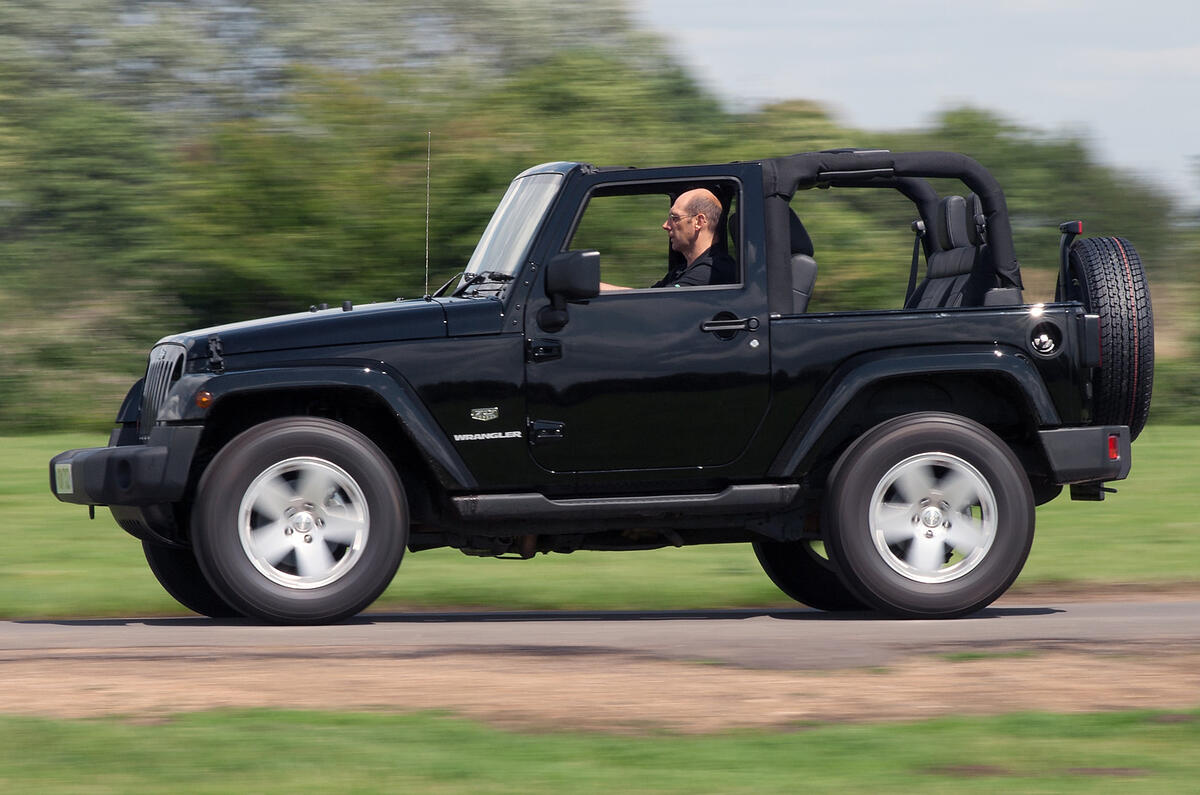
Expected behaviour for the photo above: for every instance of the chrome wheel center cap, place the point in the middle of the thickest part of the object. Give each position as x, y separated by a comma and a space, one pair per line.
302, 522
931, 517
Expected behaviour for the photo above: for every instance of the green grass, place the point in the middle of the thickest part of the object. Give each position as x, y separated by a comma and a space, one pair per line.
265, 751
55, 562
1148, 532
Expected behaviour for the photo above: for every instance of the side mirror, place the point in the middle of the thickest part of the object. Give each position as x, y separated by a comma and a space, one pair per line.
573, 275
570, 276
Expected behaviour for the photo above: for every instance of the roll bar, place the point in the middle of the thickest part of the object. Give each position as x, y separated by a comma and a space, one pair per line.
903, 171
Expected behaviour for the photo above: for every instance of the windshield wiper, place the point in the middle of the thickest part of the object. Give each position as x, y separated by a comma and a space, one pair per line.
477, 278
449, 282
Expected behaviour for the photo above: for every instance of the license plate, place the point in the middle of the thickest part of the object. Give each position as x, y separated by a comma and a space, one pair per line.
63, 484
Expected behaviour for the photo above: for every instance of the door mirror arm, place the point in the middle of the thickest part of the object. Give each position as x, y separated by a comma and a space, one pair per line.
552, 317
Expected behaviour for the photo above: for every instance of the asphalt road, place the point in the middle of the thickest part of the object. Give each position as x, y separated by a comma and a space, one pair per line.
778, 639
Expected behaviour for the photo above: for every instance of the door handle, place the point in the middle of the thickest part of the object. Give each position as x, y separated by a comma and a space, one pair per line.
546, 431
719, 325
543, 350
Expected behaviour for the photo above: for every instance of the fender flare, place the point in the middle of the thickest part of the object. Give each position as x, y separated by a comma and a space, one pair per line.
414, 419
859, 373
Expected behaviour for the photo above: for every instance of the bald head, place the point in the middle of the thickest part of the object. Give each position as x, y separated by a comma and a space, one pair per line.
703, 202
698, 213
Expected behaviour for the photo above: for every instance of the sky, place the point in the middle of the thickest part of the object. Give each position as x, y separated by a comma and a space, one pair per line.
1123, 75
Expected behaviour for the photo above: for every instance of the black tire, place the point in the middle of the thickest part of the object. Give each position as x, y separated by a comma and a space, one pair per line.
1107, 277
928, 516
799, 570
300, 521
179, 574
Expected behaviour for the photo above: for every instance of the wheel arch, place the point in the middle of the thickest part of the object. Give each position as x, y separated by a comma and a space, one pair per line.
998, 389
391, 417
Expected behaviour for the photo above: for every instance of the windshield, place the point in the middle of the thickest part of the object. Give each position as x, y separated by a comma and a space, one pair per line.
506, 241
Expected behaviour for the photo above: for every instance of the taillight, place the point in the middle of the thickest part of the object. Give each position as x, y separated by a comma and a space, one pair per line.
1114, 447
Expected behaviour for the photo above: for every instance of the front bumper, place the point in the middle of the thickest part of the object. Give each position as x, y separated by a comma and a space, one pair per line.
1088, 455
137, 474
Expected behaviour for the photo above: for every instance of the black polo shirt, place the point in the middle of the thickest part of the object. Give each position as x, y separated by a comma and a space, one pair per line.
712, 267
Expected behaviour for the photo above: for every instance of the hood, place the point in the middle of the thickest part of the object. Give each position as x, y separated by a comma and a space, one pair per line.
368, 323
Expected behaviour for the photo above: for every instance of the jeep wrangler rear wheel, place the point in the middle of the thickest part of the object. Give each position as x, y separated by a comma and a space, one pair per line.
929, 516
300, 520
1107, 277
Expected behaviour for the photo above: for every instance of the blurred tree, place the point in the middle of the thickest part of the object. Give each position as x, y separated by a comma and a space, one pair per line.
1048, 180
270, 219
81, 220
205, 61
167, 165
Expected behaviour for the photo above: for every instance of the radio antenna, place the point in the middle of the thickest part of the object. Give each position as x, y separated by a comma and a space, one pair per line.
428, 169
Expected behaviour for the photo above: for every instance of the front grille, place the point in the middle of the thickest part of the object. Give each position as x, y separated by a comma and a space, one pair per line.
164, 369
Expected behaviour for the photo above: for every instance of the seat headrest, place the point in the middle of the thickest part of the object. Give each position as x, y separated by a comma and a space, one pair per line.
801, 242
975, 221
952, 223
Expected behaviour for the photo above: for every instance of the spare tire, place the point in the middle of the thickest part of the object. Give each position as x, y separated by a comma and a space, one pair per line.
1106, 276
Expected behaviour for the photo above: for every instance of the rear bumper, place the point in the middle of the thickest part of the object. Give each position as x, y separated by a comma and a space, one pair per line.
136, 474
1086, 455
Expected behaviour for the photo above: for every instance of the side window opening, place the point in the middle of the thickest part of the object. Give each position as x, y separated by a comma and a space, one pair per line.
864, 264
625, 230
625, 224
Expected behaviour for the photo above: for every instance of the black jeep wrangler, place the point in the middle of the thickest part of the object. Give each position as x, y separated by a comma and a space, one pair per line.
884, 459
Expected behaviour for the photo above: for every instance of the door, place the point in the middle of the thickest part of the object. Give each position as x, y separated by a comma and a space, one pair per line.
673, 377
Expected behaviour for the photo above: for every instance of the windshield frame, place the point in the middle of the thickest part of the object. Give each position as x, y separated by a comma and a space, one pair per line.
506, 242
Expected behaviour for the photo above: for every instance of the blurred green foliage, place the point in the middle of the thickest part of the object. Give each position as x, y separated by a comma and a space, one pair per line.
166, 166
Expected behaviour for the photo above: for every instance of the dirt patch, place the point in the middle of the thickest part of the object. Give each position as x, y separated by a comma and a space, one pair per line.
596, 691
1108, 592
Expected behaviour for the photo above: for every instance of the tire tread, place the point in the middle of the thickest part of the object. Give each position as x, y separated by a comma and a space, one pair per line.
1113, 284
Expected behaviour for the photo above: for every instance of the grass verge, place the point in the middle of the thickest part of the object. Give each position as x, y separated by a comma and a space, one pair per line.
271, 751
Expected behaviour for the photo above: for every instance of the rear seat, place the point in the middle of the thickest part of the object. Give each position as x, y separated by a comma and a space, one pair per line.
958, 272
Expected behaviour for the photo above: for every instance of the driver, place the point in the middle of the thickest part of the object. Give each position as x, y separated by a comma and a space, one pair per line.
691, 228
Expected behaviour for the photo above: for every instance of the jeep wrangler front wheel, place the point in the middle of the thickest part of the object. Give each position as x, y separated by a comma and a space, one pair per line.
177, 572
300, 520
800, 570
929, 516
